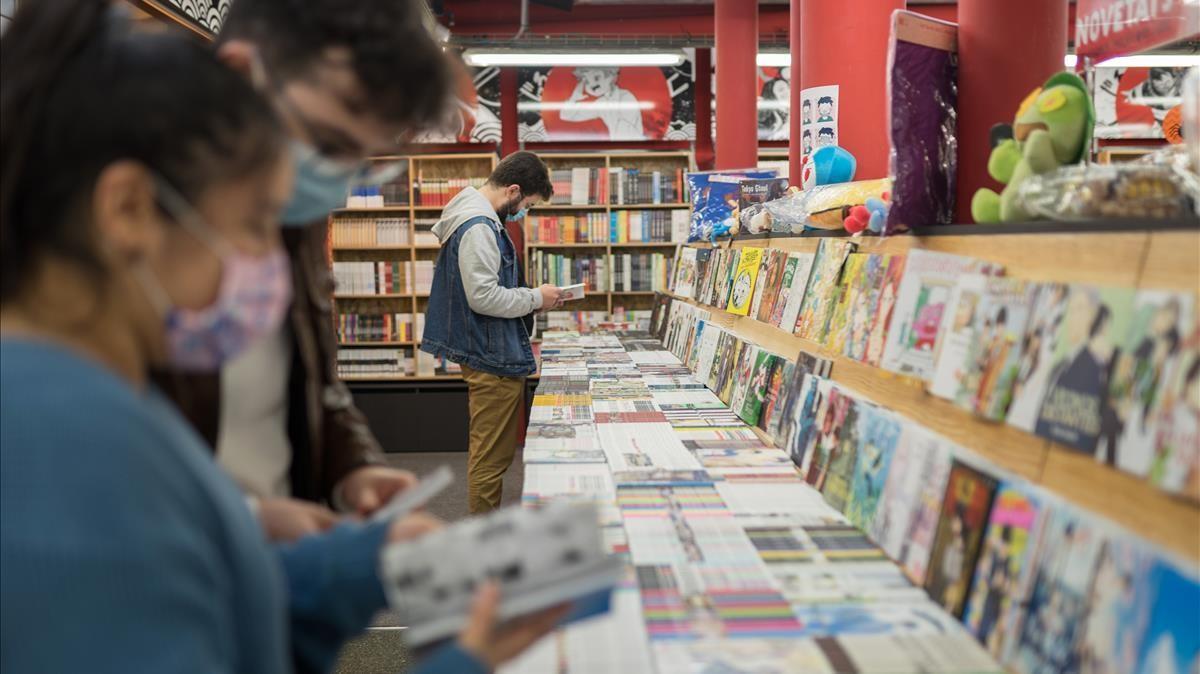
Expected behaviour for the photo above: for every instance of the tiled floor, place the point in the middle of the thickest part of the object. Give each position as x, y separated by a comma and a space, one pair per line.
381, 650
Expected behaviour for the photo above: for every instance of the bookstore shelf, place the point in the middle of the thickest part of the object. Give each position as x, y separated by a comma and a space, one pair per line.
1133, 256
439, 176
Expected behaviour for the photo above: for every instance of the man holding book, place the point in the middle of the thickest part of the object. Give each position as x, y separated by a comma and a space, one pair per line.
477, 314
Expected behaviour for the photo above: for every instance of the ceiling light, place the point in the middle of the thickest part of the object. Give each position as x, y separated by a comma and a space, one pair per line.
525, 58
774, 59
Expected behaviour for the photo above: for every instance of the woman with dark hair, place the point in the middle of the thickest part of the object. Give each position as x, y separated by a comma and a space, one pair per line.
140, 192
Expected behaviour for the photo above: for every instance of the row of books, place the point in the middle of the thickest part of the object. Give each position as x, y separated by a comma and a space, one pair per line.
357, 362
584, 186
1040, 583
641, 272
423, 276
565, 270
567, 228
439, 192
366, 328
650, 226
1106, 371
369, 232
422, 231
373, 278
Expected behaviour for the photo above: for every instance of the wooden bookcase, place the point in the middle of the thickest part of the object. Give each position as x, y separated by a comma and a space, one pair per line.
609, 300
403, 199
1129, 254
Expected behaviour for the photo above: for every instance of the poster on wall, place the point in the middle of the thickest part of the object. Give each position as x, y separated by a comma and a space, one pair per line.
818, 117
1139, 102
207, 15
774, 102
475, 116
1107, 28
606, 103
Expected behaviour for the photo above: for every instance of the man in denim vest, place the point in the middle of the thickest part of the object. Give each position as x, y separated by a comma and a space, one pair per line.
476, 307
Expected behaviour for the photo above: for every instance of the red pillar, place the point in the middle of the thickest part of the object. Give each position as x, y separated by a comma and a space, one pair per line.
703, 101
795, 150
846, 43
737, 83
509, 141
1005, 50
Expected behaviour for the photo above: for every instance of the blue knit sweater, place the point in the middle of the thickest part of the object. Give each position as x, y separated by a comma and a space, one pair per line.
124, 548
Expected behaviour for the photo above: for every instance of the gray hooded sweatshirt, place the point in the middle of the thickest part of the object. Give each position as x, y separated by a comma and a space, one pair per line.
479, 259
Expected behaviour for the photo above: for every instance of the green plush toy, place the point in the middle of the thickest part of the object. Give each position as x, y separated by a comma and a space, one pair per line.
1053, 128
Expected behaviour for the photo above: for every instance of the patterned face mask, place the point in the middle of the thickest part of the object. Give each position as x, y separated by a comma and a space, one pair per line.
251, 303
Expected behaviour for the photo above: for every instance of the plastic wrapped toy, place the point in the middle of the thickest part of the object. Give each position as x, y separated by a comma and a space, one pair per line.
1109, 191
822, 208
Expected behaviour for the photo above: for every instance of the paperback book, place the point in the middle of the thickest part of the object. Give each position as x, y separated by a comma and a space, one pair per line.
821, 293
742, 292
791, 291
965, 510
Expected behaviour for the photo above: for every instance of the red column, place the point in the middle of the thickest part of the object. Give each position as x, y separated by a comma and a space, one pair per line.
1005, 50
703, 102
737, 83
795, 150
846, 43
509, 141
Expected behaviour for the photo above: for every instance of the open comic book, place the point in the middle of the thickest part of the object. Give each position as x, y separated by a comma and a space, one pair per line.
540, 558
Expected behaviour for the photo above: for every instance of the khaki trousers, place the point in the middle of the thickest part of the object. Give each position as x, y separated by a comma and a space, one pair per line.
495, 405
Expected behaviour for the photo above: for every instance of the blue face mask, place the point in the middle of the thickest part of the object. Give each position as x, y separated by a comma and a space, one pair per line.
321, 186
519, 215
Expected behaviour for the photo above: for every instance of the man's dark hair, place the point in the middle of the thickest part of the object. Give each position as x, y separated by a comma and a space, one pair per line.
807, 103
807, 134
525, 170
405, 76
825, 99
1101, 319
826, 131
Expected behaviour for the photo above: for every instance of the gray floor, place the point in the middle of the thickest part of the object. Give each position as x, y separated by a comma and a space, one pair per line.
381, 650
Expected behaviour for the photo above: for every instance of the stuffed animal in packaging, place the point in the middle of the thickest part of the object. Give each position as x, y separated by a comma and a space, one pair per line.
1053, 128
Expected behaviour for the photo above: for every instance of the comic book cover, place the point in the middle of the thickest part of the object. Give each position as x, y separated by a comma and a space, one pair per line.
765, 268
779, 400
834, 422
720, 361
960, 530
1036, 356
925, 289
704, 258
685, 272
743, 376
995, 358
956, 336
812, 401
878, 433
863, 307
1053, 614
741, 294
773, 286
795, 292
842, 459
752, 406
707, 351
782, 429
771, 391
1003, 563
1155, 341
1170, 640
729, 384
720, 296
933, 461
821, 293
1176, 464
693, 356
735, 263
846, 293
889, 290
1078, 411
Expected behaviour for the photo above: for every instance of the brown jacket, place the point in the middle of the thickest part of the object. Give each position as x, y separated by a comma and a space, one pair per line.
328, 434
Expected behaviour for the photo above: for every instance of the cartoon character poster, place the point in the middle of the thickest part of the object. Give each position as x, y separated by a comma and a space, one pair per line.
818, 118
1139, 102
475, 115
606, 103
774, 102
965, 509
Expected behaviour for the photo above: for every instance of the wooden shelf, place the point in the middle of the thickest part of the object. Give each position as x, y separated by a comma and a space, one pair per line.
568, 207
426, 209
644, 244
632, 292
568, 245
639, 207
360, 249
374, 344
400, 377
397, 296
1130, 258
371, 209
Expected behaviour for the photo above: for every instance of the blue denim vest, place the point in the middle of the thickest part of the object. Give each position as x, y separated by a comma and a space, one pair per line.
453, 330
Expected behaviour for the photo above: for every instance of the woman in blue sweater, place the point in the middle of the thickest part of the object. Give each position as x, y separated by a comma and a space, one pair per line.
140, 187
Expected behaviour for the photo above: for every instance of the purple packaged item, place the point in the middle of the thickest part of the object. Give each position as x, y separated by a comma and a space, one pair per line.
923, 120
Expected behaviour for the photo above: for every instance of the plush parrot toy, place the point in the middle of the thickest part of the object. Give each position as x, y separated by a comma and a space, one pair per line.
1053, 128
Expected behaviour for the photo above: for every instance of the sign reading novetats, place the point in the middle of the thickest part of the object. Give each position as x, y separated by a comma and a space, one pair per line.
1107, 28
205, 14
606, 103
